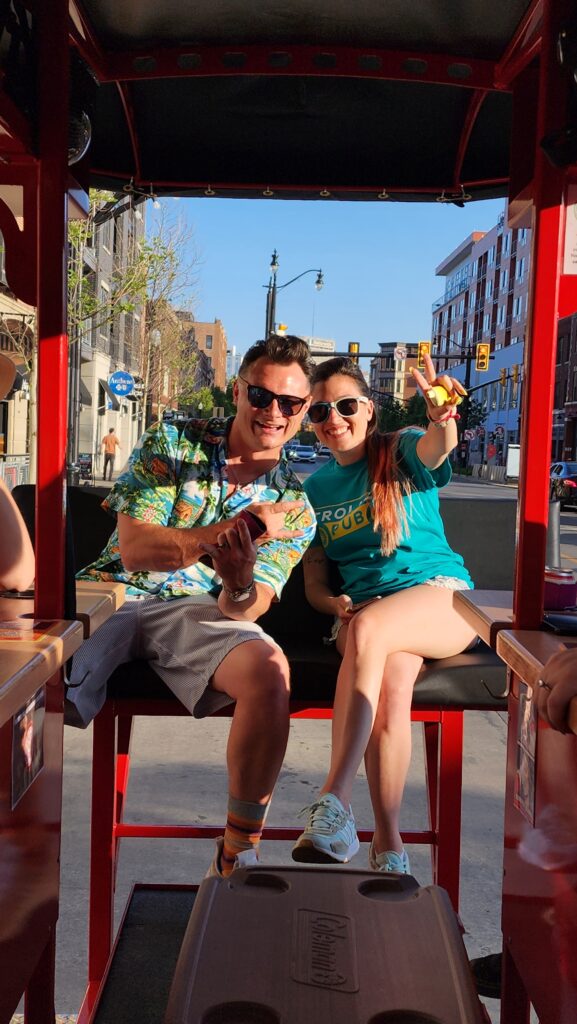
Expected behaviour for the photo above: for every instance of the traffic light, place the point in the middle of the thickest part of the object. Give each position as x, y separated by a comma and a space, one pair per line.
515, 374
423, 349
354, 351
482, 356
503, 377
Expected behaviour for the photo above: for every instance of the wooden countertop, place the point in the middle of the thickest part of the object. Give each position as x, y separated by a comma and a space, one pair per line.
525, 651
27, 662
487, 611
96, 602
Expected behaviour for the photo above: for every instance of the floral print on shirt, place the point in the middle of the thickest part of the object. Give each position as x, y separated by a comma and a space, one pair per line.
178, 478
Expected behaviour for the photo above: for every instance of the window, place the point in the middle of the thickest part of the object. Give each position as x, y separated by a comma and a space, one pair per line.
491, 256
461, 307
507, 243
520, 269
472, 298
522, 236
469, 331
486, 320
501, 316
209, 341
459, 336
474, 268
517, 305
489, 289
504, 279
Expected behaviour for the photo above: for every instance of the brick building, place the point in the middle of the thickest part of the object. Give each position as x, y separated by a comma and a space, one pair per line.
211, 339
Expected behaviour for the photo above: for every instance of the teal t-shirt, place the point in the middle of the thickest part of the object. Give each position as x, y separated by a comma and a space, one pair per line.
342, 499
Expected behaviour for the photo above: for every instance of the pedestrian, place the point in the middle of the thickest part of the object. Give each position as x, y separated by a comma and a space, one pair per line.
110, 443
16, 552
378, 517
197, 582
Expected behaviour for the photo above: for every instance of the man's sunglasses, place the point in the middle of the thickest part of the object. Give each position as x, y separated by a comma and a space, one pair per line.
261, 398
347, 407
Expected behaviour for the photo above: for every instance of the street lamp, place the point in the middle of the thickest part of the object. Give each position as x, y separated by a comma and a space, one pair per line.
273, 288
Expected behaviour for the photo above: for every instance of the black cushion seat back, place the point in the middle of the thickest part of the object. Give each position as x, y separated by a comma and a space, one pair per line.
482, 530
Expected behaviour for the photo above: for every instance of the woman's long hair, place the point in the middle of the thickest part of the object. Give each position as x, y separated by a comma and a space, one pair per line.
389, 485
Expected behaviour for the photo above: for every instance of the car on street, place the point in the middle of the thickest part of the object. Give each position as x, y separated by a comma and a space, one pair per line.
563, 477
323, 451
302, 453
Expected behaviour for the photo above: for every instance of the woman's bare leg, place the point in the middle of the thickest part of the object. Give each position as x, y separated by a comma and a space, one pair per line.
419, 621
388, 754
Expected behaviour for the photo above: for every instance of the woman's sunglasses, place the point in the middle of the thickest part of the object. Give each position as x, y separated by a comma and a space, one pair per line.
261, 398
347, 407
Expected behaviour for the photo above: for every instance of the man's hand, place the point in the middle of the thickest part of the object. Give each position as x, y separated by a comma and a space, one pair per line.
273, 515
234, 554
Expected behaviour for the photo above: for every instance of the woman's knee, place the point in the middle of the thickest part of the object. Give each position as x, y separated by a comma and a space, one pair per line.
364, 632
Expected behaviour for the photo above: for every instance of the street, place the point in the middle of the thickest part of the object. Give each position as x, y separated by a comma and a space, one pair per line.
179, 777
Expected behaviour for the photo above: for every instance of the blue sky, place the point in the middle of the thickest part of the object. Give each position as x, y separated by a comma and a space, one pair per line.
378, 261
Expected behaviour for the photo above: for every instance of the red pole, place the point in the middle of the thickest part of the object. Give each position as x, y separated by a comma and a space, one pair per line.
541, 344
51, 302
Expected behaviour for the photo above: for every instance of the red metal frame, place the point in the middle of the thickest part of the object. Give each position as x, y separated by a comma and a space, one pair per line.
523, 48
44, 178
443, 733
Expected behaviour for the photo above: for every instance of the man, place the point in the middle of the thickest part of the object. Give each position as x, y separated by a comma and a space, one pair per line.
197, 582
110, 443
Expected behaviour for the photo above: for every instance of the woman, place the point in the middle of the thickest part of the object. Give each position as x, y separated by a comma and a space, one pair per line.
378, 519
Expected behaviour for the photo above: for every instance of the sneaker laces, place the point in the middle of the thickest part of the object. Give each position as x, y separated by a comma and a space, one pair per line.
324, 817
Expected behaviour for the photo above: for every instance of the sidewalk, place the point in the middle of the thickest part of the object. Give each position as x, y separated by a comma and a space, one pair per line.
179, 777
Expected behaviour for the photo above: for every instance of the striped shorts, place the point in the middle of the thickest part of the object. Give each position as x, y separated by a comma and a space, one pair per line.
185, 640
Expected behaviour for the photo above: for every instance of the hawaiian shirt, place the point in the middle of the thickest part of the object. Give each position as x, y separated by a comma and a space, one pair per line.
178, 477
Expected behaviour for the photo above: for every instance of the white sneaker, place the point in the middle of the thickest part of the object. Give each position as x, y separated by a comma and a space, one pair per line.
330, 834
246, 859
389, 861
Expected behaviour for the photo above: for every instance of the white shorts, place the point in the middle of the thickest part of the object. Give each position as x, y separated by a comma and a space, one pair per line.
185, 640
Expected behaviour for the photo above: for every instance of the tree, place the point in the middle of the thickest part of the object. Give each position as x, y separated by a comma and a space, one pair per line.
391, 416
167, 354
476, 414
416, 411
223, 399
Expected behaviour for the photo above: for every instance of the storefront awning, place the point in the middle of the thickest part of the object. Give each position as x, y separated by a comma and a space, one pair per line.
85, 396
114, 403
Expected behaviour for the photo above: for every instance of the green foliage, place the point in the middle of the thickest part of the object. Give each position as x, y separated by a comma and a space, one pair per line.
476, 416
223, 400
201, 401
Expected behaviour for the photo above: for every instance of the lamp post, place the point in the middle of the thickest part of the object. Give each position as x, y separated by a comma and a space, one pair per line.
273, 288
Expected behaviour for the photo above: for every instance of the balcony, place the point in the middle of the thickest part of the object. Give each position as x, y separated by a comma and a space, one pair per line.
456, 288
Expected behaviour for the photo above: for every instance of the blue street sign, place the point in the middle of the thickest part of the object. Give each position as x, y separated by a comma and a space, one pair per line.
121, 383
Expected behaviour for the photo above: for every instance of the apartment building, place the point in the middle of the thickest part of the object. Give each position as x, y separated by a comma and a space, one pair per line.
485, 300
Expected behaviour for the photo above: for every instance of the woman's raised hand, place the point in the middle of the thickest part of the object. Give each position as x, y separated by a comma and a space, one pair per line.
441, 393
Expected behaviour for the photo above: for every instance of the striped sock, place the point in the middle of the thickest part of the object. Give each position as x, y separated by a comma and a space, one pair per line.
244, 825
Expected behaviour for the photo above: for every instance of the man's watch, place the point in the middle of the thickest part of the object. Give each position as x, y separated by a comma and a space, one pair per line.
242, 594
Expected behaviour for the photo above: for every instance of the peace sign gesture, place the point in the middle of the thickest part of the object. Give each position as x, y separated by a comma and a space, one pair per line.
442, 394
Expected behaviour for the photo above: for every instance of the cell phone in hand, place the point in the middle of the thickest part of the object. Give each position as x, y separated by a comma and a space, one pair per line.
256, 527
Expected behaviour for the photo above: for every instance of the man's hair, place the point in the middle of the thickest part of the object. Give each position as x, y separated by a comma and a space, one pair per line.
282, 349
111, 430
